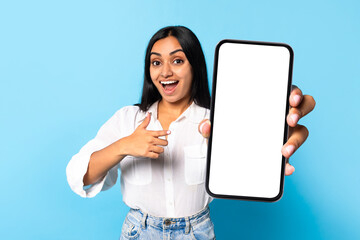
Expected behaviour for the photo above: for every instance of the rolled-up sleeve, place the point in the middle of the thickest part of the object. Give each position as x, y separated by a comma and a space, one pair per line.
77, 167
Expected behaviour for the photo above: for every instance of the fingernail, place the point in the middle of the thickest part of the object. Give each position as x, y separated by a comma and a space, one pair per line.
296, 99
294, 118
290, 169
201, 126
168, 131
290, 149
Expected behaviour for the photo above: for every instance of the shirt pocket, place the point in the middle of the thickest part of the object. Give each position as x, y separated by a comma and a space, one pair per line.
136, 170
195, 164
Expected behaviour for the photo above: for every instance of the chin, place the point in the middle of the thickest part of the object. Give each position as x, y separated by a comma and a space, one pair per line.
174, 99
170, 99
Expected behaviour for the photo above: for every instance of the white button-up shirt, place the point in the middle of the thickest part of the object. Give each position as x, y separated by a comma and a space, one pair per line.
170, 186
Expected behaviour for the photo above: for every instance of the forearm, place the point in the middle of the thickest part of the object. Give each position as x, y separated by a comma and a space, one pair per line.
102, 161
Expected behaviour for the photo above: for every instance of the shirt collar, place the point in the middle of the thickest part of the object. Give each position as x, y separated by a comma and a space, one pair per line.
194, 113
153, 110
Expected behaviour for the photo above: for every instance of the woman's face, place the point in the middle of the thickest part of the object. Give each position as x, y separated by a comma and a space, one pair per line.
170, 70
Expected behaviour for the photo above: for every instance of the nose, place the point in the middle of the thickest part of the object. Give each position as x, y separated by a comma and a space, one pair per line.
166, 70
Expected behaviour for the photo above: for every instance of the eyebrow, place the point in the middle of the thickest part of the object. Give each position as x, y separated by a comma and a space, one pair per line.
173, 52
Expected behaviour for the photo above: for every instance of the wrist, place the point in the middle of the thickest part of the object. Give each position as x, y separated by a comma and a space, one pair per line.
120, 147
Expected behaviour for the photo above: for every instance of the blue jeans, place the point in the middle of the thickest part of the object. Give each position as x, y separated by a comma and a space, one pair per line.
139, 225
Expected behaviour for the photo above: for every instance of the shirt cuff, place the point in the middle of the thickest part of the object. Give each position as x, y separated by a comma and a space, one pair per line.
76, 171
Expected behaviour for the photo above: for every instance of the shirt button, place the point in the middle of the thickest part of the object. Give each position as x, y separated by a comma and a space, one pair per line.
167, 222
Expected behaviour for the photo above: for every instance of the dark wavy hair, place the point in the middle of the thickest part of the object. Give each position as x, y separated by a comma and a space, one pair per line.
191, 46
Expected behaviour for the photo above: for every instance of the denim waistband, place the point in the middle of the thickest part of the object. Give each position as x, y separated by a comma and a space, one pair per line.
168, 223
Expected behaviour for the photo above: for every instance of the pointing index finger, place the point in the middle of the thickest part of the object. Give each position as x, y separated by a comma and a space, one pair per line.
160, 133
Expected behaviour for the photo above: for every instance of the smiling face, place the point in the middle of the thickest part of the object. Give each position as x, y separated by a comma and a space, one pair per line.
170, 70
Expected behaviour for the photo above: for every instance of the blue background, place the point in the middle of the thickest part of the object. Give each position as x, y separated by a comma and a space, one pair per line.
67, 66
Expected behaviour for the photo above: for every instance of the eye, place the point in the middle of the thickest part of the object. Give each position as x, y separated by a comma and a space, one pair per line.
155, 63
178, 61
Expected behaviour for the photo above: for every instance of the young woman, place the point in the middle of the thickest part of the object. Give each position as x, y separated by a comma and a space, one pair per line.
160, 144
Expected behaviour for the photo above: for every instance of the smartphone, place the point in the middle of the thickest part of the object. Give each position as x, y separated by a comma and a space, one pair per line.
249, 104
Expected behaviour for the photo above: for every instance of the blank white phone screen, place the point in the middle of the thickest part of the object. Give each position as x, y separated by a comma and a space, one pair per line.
252, 85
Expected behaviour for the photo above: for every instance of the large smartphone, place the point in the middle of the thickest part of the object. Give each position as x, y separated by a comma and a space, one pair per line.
249, 105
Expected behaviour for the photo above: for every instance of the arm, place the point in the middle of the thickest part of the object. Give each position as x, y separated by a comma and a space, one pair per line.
102, 161
142, 143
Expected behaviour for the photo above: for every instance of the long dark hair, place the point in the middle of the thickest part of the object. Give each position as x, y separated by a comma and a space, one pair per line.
191, 46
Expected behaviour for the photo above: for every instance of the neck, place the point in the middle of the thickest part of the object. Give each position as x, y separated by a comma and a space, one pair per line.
174, 109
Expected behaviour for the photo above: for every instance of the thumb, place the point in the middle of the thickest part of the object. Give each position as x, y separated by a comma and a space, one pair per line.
204, 128
146, 121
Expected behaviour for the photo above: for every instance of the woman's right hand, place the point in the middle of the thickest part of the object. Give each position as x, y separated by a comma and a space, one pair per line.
145, 143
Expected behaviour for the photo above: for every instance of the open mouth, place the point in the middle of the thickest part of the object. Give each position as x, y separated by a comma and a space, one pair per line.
169, 86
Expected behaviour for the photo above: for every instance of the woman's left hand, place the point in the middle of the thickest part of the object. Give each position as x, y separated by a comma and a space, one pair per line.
300, 106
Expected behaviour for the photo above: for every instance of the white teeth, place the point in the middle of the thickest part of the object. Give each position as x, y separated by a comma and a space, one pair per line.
168, 82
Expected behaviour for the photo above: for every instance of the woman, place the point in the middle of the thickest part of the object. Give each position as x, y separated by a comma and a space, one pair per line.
159, 145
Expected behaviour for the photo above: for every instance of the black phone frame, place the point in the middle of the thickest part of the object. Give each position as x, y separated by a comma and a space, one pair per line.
212, 112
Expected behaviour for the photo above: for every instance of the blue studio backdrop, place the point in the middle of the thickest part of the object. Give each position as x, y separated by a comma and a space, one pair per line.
67, 66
